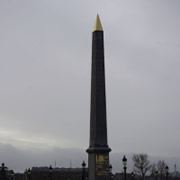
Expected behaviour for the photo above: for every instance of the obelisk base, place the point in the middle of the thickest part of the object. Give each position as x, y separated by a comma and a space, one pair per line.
98, 163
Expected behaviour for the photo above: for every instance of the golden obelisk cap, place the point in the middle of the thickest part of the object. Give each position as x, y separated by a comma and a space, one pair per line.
97, 25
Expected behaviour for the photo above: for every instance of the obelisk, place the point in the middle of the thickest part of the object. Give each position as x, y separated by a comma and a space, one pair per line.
98, 151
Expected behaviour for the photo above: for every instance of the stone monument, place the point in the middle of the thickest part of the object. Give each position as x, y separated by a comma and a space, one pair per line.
98, 151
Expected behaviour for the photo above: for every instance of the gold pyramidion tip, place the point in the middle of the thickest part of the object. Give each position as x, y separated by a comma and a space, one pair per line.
97, 25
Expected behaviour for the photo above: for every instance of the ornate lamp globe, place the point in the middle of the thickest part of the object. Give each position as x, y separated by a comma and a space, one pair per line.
50, 168
167, 168
110, 168
83, 164
124, 160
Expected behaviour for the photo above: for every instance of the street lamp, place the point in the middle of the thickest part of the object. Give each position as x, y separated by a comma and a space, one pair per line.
50, 172
167, 172
124, 160
11, 175
83, 170
132, 175
29, 174
3, 171
156, 175
110, 171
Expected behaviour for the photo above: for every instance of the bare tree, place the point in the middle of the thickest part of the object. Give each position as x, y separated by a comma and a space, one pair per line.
161, 166
153, 169
141, 164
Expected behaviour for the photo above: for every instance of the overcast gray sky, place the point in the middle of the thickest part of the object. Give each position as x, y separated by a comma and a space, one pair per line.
45, 66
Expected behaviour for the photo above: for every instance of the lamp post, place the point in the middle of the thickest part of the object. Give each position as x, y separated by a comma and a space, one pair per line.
156, 175
3, 171
50, 172
29, 174
167, 172
124, 160
12, 174
132, 175
110, 171
83, 170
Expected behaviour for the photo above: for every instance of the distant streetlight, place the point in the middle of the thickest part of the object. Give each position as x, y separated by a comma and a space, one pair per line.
12, 175
156, 175
110, 171
50, 172
167, 172
124, 160
132, 175
29, 174
83, 170
3, 171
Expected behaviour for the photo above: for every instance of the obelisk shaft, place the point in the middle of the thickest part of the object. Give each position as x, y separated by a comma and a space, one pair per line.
98, 149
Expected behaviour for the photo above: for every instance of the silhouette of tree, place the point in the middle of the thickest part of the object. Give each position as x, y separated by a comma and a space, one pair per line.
153, 169
141, 164
161, 166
